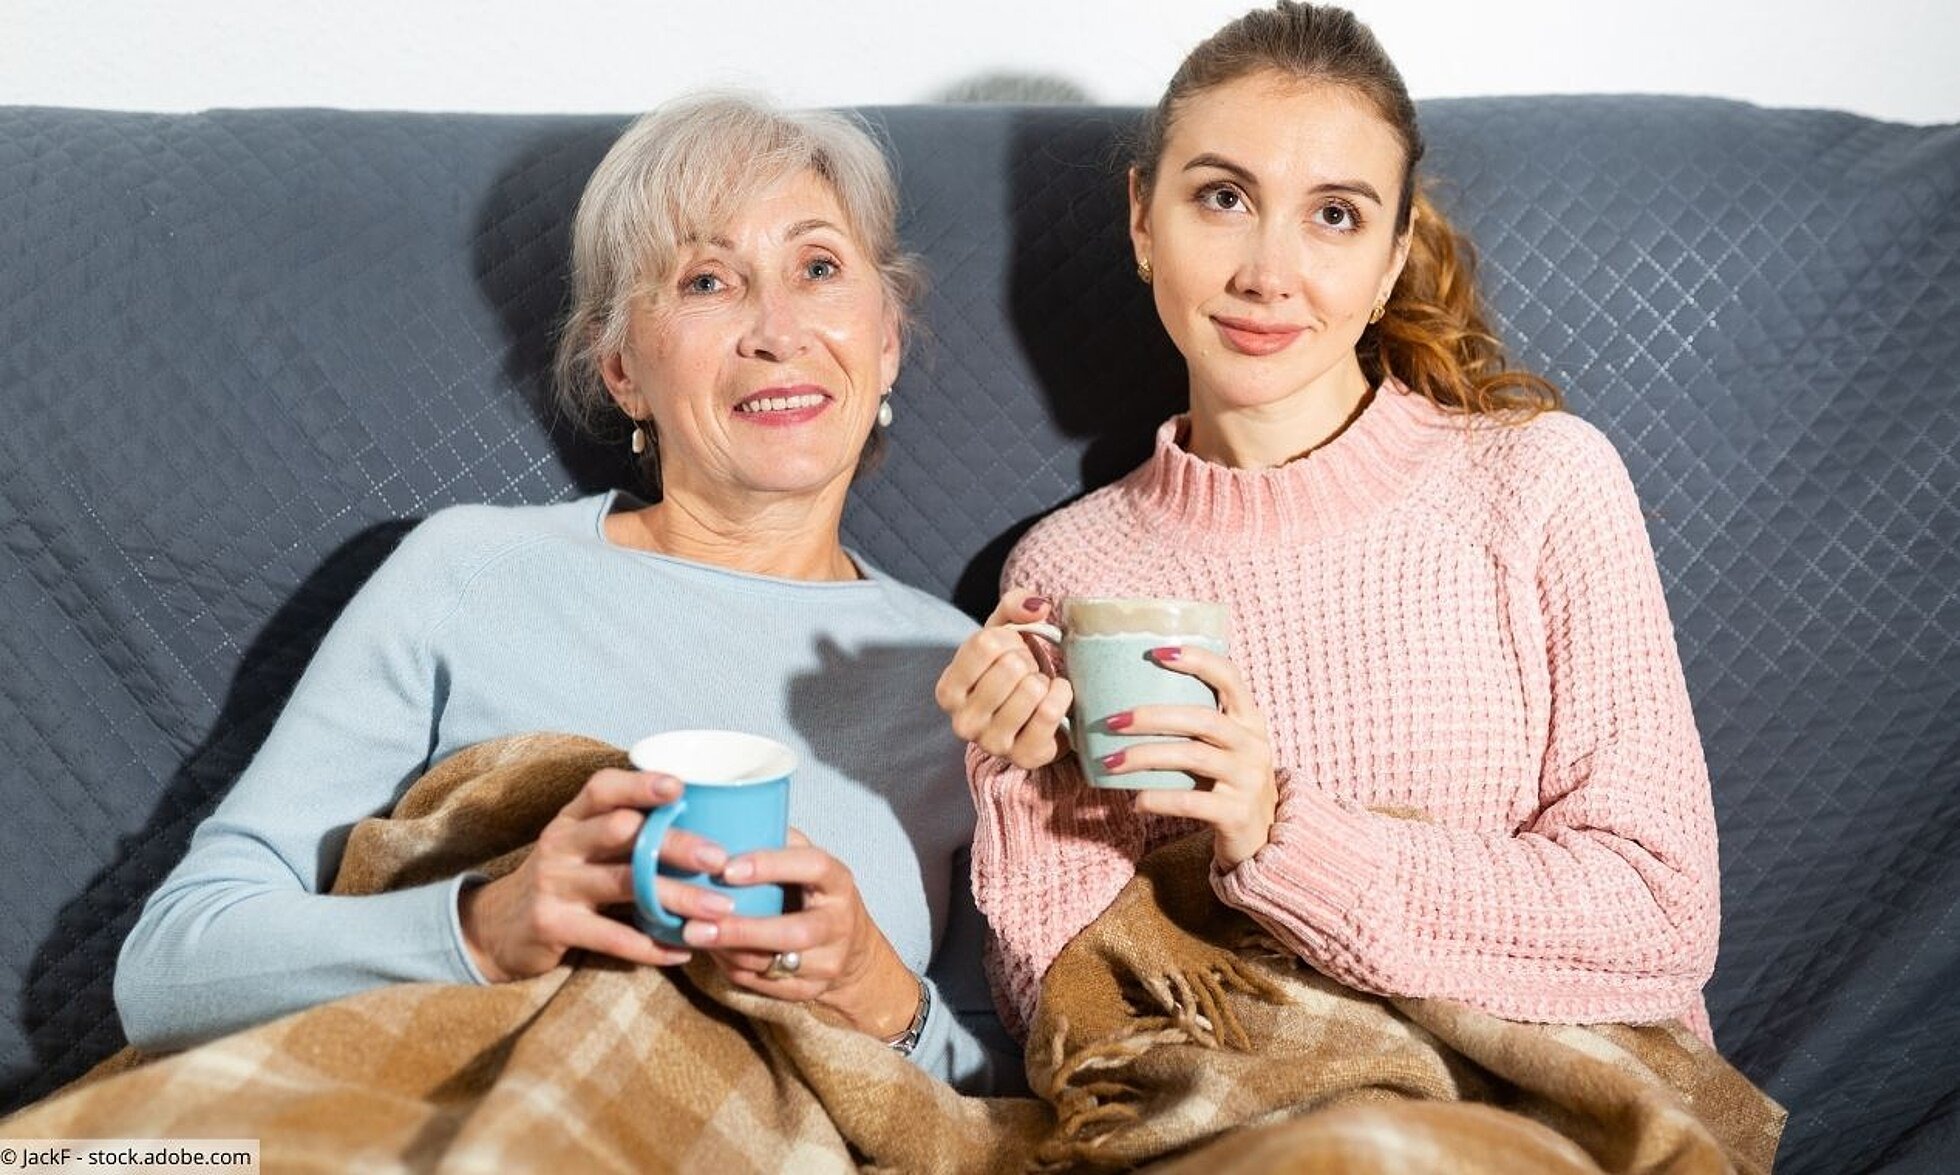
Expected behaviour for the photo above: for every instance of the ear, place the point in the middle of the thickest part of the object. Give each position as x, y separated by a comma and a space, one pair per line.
619, 384
1139, 217
891, 348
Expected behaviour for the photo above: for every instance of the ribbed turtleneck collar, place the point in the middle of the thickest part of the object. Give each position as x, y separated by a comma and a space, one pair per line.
1369, 466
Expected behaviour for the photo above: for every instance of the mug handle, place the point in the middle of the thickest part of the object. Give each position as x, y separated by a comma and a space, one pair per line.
1053, 636
646, 865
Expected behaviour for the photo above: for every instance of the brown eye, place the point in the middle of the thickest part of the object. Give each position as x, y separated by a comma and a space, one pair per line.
1339, 216
1221, 198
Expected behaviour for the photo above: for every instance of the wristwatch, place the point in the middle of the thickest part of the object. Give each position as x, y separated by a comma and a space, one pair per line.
906, 1041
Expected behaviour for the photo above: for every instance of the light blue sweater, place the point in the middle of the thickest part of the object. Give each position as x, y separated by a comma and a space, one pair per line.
491, 621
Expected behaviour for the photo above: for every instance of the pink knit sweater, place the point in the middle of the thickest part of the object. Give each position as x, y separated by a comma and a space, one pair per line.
1490, 784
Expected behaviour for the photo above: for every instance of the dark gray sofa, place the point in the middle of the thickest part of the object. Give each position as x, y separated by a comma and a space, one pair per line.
241, 352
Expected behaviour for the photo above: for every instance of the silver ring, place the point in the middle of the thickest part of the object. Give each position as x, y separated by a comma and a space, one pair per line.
783, 965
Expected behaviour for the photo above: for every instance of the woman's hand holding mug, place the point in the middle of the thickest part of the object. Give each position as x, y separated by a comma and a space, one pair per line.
522, 924
1159, 708
996, 693
828, 950
1227, 748
844, 962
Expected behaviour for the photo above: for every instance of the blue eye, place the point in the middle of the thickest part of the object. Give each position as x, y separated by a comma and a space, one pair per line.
821, 268
702, 283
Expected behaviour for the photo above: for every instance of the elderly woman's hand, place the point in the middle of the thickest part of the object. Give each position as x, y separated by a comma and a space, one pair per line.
522, 924
997, 695
845, 963
1228, 748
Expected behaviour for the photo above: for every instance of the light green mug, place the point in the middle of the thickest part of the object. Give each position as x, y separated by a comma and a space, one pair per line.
1106, 643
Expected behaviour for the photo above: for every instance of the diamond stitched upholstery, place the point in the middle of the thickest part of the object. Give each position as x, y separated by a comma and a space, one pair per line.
243, 351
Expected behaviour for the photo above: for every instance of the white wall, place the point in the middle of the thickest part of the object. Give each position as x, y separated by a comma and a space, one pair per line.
1888, 58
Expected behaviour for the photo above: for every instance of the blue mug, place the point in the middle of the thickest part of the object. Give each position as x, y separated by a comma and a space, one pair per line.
736, 794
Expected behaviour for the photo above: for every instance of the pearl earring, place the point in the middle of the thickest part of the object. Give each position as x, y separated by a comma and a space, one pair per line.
639, 439
885, 409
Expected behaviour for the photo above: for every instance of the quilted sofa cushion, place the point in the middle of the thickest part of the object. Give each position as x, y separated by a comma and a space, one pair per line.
243, 351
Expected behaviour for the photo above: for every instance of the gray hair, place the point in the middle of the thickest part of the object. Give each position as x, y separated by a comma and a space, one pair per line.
677, 174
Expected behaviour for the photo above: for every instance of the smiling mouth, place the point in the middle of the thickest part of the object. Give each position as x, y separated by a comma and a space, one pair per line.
758, 405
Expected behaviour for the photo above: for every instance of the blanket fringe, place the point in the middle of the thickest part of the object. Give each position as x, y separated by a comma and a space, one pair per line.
1197, 1001
1088, 1110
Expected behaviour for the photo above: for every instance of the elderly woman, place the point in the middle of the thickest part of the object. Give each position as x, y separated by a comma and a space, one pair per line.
739, 295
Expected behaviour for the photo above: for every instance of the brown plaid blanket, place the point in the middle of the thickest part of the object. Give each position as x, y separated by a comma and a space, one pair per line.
1172, 1034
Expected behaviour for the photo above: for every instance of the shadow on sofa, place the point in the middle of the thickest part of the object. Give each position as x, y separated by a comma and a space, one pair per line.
70, 1014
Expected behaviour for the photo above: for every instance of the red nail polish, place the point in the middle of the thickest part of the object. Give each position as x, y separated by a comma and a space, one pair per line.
1113, 760
1167, 653
1035, 604
1120, 721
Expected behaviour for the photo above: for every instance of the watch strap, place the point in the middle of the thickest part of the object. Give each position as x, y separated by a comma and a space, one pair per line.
906, 1041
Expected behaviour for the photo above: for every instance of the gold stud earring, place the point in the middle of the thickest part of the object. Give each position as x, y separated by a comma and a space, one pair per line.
1143, 271
1375, 315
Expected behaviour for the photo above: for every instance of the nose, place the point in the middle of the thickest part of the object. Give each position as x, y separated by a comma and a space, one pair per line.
1271, 266
775, 330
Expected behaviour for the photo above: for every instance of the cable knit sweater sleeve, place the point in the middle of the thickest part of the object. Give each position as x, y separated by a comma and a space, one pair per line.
1044, 841
1604, 906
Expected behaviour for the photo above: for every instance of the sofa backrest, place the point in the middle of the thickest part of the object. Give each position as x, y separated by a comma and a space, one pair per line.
240, 352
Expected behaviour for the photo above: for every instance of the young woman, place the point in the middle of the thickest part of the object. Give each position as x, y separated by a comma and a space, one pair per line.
1453, 754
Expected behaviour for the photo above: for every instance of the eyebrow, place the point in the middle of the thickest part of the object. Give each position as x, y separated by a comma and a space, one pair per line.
796, 230
1361, 188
